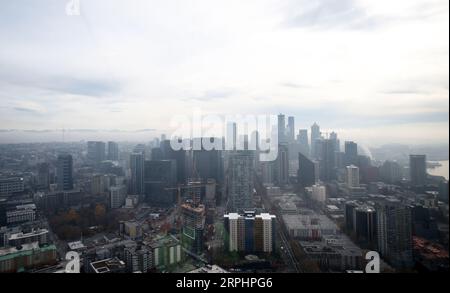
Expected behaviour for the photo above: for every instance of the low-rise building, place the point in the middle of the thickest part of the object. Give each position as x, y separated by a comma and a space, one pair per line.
20, 238
166, 251
109, 265
309, 226
21, 214
25, 257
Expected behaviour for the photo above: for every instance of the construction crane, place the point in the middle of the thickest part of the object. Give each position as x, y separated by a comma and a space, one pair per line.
188, 186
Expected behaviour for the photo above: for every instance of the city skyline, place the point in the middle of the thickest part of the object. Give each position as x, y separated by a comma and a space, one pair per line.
375, 72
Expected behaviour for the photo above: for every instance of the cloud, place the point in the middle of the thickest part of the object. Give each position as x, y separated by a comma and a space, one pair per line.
20, 109
131, 66
295, 85
24, 76
331, 14
212, 95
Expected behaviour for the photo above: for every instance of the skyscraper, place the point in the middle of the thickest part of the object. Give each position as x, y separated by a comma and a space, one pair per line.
113, 151
291, 129
365, 225
350, 206
180, 157
158, 175
64, 172
302, 140
231, 136
282, 165
250, 232
306, 171
240, 180
315, 135
117, 196
352, 176
418, 169
394, 232
43, 176
139, 149
96, 152
351, 153
334, 137
390, 172
327, 160
281, 129
208, 164
137, 173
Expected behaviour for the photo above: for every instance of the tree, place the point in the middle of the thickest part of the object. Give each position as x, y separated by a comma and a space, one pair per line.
71, 217
99, 213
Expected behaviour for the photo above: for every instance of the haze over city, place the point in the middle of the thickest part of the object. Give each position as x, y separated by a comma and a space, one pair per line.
252, 137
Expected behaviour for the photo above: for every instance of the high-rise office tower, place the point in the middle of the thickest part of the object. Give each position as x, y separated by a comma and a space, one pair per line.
302, 140
306, 171
340, 160
334, 136
315, 135
240, 180
65, 172
327, 160
291, 129
137, 173
156, 154
250, 232
159, 175
418, 169
180, 157
96, 152
98, 184
365, 225
208, 164
281, 129
139, 149
231, 136
351, 153
282, 165
394, 232
117, 195
113, 151
352, 176
391, 172
43, 176
350, 206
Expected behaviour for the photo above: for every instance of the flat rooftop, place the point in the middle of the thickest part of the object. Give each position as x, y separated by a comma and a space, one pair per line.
107, 265
214, 269
313, 221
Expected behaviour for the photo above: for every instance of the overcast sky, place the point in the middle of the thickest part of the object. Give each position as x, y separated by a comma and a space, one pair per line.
374, 71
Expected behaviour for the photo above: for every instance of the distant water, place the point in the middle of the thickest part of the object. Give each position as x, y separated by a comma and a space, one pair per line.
441, 170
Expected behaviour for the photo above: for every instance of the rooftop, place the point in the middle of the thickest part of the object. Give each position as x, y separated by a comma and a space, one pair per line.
214, 269
301, 221
24, 235
76, 245
107, 265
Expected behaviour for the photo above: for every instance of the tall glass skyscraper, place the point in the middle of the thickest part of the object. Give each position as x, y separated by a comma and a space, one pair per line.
65, 172
240, 180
